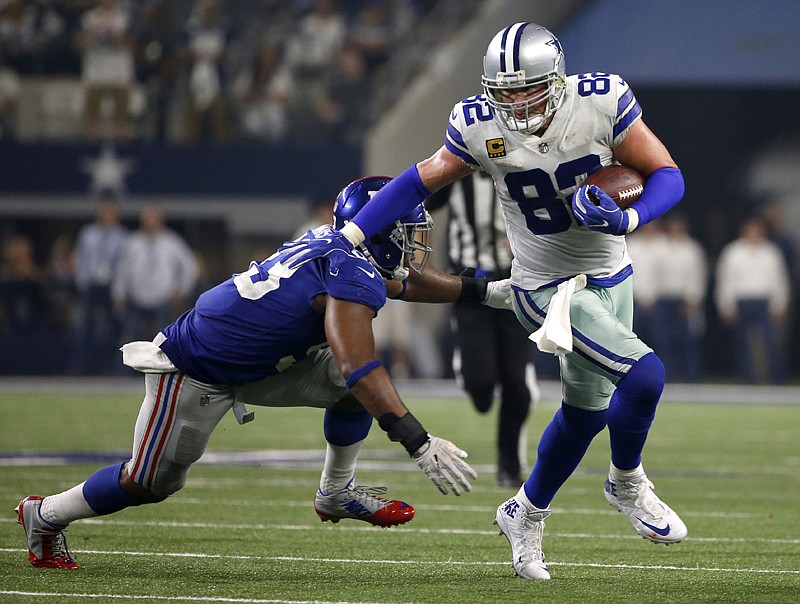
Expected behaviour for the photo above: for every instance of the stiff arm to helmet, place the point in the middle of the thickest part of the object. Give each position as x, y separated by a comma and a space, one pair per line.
402, 245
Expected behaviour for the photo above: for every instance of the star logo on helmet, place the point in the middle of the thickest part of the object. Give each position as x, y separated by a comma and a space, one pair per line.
556, 44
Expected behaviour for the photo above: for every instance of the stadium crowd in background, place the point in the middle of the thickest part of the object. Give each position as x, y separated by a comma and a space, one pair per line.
249, 65
208, 69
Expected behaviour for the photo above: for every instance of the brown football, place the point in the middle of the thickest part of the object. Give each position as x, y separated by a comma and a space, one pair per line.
624, 185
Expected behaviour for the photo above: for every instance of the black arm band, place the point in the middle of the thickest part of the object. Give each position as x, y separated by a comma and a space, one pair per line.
472, 290
405, 430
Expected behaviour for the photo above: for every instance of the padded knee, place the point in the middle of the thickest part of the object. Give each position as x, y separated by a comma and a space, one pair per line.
642, 386
344, 428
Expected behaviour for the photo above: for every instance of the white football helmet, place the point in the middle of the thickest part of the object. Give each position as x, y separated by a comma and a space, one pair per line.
520, 56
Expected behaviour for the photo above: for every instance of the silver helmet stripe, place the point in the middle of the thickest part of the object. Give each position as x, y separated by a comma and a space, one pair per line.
514, 34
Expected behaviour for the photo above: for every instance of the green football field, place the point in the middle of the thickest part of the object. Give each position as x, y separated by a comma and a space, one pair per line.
244, 528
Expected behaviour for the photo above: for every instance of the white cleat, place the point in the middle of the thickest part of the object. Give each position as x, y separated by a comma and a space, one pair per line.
652, 518
522, 523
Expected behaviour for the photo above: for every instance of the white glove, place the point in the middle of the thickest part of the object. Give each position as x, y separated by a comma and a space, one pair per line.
498, 294
442, 462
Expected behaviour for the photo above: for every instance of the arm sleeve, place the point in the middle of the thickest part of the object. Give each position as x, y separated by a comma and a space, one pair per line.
397, 198
663, 189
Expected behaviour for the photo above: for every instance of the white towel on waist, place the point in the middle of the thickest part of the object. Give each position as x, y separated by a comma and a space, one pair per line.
146, 357
555, 334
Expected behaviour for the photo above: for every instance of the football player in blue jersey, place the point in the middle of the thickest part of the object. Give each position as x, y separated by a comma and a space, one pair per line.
293, 330
538, 133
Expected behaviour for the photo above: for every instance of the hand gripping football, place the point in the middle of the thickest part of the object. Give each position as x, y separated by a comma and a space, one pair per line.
622, 184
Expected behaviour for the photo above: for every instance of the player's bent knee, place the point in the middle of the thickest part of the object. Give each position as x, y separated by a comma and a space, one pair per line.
645, 379
482, 396
137, 492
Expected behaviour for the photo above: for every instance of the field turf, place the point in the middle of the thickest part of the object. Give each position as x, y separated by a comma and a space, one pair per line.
244, 528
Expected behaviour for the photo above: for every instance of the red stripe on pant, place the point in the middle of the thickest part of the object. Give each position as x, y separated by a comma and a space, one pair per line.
173, 403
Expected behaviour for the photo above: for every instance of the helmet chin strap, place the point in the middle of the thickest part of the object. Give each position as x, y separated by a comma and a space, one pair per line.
400, 274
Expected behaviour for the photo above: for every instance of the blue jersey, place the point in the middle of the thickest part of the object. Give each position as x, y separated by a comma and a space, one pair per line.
260, 322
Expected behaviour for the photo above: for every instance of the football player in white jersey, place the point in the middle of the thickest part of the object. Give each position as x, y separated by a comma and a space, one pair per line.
539, 133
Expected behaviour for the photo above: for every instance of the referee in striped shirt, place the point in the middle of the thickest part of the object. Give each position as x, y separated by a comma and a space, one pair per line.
492, 347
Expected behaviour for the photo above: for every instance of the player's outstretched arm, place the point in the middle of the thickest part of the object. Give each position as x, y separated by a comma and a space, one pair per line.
348, 327
434, 286
404, 192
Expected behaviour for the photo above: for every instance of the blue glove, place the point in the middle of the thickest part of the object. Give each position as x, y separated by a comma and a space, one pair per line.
309, 248
604, 218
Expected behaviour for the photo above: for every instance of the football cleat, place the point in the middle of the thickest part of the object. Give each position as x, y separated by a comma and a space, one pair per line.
47, 545
652, 518
522, 523
362, 503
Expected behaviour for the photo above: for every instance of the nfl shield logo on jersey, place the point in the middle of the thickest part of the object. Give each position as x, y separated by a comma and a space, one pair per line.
544, 148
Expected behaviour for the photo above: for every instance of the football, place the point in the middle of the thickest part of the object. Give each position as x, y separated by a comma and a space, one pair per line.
624, 185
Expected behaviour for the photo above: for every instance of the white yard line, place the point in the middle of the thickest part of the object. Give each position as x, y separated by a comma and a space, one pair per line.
367, 561
397, 531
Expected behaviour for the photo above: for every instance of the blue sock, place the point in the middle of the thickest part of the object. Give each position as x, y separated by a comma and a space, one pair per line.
103, 492
632, 410
561, 448
343, 428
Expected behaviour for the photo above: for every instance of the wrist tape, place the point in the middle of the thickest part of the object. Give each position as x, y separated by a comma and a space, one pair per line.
472, 290
406, 430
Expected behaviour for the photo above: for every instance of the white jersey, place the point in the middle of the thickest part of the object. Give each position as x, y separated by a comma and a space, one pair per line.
536, 176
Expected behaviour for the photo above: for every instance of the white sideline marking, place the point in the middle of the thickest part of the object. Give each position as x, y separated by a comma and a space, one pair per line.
44, 594
429, 563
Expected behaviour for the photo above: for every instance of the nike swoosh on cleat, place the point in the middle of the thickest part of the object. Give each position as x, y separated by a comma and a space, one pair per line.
660, 531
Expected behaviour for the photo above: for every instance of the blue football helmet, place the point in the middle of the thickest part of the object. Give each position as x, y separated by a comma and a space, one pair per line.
398, 247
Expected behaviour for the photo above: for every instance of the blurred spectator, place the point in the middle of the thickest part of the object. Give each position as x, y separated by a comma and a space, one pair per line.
98, 253
679, 319
60, 292
314, 45
647, 248
270, 25
56, 21
21, 293
319, 212
156, 62
108, 68
341, 111
752, 295
155, 279
779, 231
9, 99
208, 36
264, 92
23, 308
372, 33
19, 34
